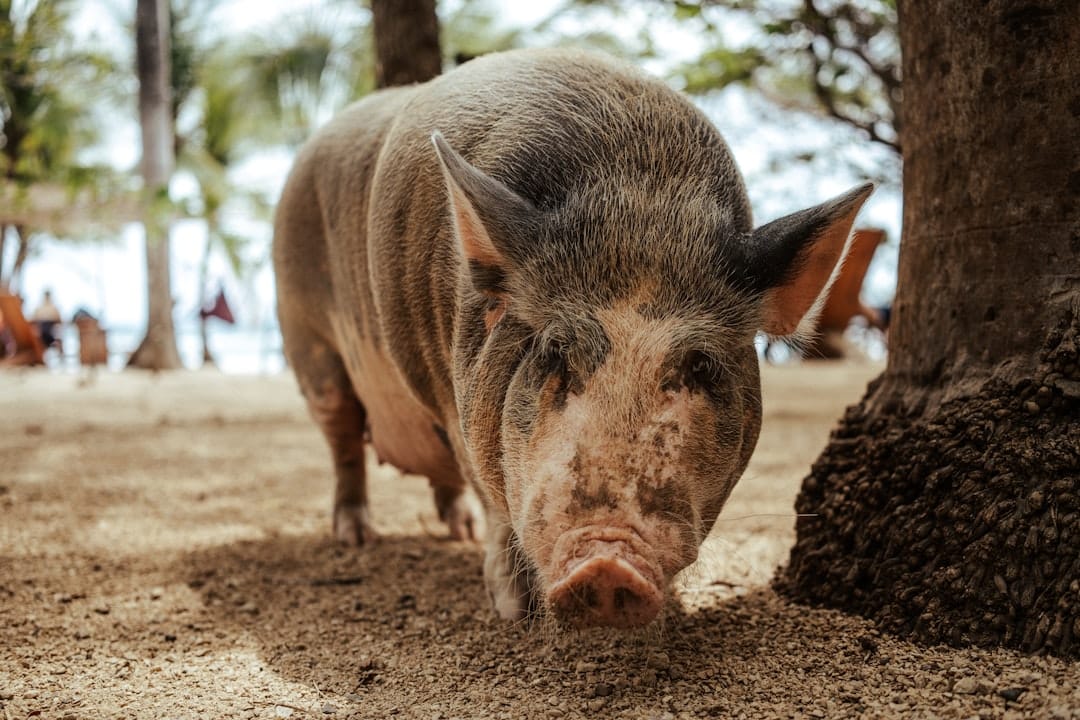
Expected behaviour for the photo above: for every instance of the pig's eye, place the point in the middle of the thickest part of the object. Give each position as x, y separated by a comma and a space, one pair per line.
698, 371
552, 360
555, 370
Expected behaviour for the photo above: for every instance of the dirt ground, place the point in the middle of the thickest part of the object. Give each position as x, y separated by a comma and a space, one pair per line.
165, 551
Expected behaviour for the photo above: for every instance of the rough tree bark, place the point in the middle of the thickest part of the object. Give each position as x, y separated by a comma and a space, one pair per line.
406, 41
947, 503
157, 351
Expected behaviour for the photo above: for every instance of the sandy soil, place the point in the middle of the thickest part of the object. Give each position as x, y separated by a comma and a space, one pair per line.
165, 552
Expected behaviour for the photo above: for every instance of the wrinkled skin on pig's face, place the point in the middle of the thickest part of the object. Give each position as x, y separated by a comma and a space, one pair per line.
621, 449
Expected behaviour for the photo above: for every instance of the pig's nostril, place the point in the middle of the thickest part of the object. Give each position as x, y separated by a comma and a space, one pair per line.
625, 597
589, 597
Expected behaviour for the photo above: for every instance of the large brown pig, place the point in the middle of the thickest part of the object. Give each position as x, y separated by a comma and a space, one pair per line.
537, 275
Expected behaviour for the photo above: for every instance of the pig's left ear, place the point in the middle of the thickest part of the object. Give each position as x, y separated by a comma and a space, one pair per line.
490, 219
799, 255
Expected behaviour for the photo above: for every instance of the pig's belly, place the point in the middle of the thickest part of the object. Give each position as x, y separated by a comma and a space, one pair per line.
403, 431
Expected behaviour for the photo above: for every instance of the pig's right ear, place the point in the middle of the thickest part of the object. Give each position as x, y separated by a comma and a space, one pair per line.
797, 257
489, 218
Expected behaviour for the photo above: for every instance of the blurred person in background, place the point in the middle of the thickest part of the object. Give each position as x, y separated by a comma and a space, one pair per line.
47, 320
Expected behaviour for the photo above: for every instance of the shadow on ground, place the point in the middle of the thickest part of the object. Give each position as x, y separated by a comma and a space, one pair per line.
406, 625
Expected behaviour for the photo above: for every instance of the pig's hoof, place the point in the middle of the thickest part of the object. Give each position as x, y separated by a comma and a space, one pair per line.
352, 525
462, 515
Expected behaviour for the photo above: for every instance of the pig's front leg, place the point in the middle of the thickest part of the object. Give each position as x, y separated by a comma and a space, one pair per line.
508, 573
337, 410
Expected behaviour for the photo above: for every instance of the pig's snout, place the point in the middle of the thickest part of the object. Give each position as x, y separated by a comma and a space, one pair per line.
610, 586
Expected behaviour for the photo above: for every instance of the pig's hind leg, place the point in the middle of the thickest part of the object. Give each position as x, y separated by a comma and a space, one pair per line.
337, 410
460, 511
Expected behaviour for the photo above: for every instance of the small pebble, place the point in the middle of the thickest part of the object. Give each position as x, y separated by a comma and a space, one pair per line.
328, 709
283, 712
583, 666
250, 608
1032, 407
602, 690
966, 686
102, 609
156, 593
1012, 694
659, 661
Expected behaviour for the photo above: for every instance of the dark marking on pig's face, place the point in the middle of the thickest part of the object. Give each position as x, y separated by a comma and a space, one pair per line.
587, 499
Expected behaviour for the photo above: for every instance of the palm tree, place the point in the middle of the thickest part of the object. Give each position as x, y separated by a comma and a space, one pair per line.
193, 78
310, 68
46, 84
157, 351
225, 130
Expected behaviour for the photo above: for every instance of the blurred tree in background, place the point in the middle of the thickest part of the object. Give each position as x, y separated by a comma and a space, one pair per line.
215, 129
837, 61
840, 58
406, 41
47, 86
238, 96
304, 71
157, 350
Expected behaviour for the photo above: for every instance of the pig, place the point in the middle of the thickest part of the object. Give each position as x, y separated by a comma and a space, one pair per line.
537, 276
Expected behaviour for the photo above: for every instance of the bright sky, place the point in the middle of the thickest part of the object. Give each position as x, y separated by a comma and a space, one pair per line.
109, 279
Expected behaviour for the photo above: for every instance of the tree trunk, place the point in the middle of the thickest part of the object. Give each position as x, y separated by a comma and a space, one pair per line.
22, 252
947, 503
157, 351
207, 357
406, 41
